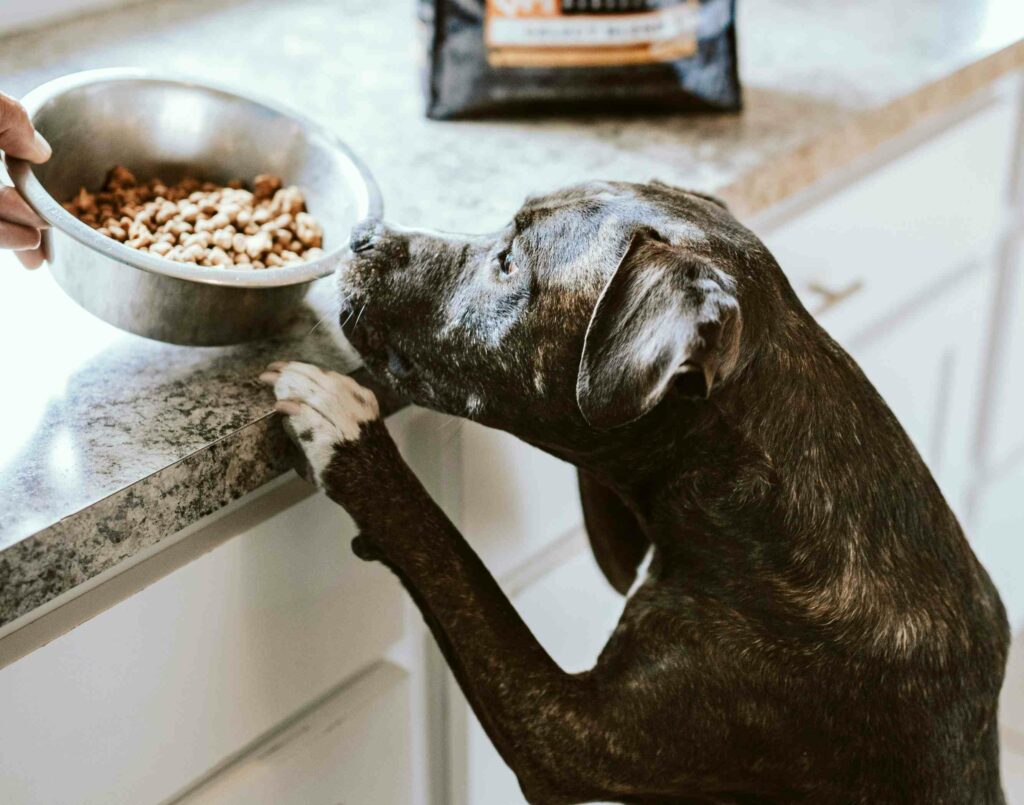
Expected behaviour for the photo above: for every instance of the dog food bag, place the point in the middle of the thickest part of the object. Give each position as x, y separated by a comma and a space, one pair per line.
492, 56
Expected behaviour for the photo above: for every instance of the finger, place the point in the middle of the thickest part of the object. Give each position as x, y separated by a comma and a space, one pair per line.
15, 209
17, 136
18, 237
31, 258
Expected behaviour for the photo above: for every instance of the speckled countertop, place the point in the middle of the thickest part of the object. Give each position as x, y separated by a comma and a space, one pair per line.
110, 442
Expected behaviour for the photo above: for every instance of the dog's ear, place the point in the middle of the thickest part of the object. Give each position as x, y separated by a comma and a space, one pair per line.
663, 313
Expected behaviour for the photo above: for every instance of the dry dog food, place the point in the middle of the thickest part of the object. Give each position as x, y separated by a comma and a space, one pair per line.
203, 223
490, 56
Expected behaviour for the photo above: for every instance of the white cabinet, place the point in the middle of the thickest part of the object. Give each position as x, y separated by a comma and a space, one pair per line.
352, 748
515, 499
150, 695
154, 692
904, 229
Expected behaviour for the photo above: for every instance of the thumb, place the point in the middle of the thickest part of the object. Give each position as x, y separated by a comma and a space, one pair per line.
17, 136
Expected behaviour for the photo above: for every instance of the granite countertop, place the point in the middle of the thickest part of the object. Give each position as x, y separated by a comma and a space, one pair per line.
110, 442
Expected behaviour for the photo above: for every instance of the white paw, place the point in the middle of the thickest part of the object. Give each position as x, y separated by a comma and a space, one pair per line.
323, 408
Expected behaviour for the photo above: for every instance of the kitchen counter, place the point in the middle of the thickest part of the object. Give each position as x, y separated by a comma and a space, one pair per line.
110, 443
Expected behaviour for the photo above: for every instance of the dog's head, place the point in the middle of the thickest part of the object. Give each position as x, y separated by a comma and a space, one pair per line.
588, 310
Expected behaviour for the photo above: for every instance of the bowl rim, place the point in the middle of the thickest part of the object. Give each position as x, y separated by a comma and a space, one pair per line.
369, 203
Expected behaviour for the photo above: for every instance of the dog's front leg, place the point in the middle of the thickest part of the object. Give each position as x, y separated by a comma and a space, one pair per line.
538, 717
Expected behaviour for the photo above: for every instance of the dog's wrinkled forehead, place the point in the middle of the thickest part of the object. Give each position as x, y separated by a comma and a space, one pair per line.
579, 233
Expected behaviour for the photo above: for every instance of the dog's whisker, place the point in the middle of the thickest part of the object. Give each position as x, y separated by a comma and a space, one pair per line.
348, 318
447, 422
343, 300
361, 309
459, 423
323, 318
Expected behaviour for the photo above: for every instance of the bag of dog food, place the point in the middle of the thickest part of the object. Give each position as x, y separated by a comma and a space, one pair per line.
492, 56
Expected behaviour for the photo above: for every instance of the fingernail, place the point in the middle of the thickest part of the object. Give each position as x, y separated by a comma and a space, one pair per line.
31, 246
41, 150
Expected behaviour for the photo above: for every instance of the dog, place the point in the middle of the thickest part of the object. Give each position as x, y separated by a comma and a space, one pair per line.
806, 623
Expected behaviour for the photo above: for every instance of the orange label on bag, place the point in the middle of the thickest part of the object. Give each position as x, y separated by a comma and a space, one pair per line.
580, 33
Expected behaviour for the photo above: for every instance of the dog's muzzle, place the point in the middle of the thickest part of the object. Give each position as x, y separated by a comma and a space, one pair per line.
365, 235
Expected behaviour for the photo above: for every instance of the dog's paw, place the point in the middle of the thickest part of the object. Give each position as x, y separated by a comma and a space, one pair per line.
324, 409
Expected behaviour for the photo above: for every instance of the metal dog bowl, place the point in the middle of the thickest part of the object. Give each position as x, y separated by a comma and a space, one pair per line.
170, 128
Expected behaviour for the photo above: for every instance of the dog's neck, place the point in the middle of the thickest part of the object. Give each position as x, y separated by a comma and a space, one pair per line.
792, 479
801, 431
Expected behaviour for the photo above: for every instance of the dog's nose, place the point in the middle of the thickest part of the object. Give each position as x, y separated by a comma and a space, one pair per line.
364, 235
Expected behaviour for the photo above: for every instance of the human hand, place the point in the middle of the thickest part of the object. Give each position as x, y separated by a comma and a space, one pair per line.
20, 226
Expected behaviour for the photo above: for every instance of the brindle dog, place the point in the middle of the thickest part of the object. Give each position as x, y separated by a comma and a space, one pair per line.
812, 626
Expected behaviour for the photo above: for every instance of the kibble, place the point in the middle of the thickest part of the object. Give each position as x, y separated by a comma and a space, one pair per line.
203, 223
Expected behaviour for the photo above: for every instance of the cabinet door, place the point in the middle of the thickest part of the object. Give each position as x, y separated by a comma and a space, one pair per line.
151, 694
905, 227
147, 696
516, 499
352, 748
572, 610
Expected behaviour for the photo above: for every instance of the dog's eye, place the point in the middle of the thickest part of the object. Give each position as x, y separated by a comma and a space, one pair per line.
506, 263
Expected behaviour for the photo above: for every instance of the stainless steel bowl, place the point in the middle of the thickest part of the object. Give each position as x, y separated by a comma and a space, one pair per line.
169, 128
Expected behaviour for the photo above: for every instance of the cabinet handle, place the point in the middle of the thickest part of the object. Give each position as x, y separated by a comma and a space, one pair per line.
830, 297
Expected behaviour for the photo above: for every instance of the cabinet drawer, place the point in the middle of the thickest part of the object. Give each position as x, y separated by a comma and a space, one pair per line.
515, 498
152, 693
353, 748
903, 228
